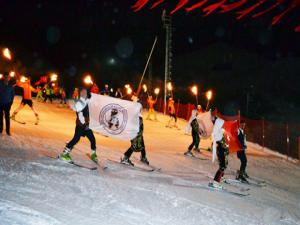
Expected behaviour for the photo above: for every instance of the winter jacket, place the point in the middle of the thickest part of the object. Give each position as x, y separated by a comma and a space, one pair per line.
7, 93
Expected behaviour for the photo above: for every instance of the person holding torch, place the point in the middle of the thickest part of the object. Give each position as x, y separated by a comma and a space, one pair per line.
24, 83
151, 102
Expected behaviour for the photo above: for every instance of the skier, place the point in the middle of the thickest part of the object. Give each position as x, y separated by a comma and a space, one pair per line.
82, 127
6, 100
94, 88
63, 96
75, 95
241, 154
221, 149
172, 113
118, 93
48, 93
137, 144
27, 98
39, 96
195, 132
105, 91
151, 110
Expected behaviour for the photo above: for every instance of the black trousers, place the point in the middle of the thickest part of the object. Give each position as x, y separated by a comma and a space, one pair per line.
5, 110
48, 97
243, 158
222, 154
174, 116
82, 132
196, 140
129, 152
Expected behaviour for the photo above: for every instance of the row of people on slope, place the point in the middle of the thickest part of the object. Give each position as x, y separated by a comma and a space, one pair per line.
220, 145
137, 144
171, 111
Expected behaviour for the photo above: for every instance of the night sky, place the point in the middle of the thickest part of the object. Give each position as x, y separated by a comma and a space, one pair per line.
110, 41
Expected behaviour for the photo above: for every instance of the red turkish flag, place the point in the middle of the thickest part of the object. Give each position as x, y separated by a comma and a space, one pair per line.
231, 135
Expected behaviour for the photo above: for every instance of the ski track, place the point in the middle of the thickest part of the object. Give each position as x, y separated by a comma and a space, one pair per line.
35, 189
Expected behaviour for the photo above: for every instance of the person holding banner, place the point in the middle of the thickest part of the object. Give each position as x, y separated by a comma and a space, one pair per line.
82, 127
137, 145
241, 154
151, 111
195, 132
221, 149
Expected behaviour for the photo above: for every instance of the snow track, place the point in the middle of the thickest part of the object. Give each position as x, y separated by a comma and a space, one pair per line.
35, 189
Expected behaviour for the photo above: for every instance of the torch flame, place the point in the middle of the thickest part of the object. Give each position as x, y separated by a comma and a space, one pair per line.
6, 53
156, 91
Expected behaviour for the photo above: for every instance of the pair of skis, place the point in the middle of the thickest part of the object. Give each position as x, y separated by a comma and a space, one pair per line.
145, 168
74, 163
23, 122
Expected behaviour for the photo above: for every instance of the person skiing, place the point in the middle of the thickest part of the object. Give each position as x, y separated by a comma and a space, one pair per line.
105, 91
6, 100
27, 97
241, 154
48, 92
94, 88
119, 93
195, 132
39, 96
137, 144
172, 112
221, 149
63, 96
75, 94
151, 111
82, 127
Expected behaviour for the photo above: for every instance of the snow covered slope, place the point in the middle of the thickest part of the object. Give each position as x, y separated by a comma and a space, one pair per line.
35, 189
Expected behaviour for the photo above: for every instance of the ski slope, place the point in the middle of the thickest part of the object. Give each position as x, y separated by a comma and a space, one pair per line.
37, 190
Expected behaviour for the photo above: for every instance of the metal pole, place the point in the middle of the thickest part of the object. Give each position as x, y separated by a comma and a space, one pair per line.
145, 69
287, 140
166, 67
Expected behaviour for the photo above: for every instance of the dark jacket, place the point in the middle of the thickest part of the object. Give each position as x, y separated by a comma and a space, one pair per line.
7, 93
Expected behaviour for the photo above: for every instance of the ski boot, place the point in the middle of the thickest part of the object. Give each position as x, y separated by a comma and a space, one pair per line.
246, 175
241, 177
145, 160
215, 185
65, 155
126, 161
197, 150
189, 153
94, 156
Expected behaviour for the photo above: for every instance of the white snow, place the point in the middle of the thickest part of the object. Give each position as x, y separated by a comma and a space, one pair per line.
35, 189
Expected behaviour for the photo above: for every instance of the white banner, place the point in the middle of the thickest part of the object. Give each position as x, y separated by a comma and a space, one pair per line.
114, 117
205, 124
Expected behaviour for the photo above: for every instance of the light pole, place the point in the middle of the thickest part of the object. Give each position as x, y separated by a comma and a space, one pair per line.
167, 22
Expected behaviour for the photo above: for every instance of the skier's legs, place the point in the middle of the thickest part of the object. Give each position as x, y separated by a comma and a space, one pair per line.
90, 135
223, 162
243, 158
18, 109
7, 119
1, 118
78, 133
128, 153
33, 110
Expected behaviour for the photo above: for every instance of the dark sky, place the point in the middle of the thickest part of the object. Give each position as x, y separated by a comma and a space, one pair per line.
107, 39
64, 33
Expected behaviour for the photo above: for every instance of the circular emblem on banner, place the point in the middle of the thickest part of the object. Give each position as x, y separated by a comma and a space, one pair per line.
113, 118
